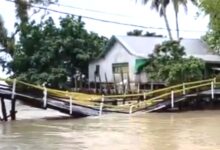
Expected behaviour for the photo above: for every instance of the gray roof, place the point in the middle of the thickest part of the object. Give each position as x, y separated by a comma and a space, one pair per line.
143, 46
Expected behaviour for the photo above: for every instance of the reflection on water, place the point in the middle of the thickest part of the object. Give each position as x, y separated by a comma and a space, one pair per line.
155, 131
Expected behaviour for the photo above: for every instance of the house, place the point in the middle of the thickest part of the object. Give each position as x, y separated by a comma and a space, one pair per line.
126, 54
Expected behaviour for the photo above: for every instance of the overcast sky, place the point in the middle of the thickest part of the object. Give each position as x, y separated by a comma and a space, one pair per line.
123, 11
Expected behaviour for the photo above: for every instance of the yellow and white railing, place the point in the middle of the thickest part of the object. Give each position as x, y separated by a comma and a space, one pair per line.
92, 100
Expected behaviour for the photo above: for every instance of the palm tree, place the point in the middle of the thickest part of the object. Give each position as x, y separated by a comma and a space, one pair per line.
176, 4
161, 7
3, 33
21, 10
22, 7
7, 42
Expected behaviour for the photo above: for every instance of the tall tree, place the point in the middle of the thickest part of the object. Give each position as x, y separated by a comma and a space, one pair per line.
176, 4
47, 53
161, 7
3, 33
7, 42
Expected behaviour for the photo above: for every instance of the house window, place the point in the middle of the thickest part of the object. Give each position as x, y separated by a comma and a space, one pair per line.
97, 70
117, 68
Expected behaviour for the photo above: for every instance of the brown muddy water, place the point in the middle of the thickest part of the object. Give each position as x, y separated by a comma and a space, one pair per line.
193, 130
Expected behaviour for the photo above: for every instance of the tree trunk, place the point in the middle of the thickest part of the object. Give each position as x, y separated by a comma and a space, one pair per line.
167, 23
177, 26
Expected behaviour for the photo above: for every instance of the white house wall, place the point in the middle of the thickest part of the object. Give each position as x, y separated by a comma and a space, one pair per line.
117, 54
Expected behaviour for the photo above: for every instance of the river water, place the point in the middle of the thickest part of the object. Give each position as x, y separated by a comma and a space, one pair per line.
192, 130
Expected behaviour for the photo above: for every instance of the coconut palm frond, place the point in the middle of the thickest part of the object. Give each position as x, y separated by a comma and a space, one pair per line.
22, 10
3, 33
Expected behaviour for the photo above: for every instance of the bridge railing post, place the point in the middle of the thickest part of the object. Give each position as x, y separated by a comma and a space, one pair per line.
101, 105
214, 80
184, 88
13, 101
172, 99
71, 106
13, 89
45, 96
144, 96
131, 109
212, 90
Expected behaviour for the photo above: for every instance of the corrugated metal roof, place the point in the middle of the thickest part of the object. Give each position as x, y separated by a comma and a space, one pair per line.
143, 46
209, 58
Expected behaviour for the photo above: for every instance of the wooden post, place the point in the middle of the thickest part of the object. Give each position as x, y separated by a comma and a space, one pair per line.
75, 80
138, 83
100, 84
13, 111
138, 88
151, 86
80, 82
106, 83
122, 80
214, 82
115, 84
129, 83
89, 86
205, 71
4, 112
95, 83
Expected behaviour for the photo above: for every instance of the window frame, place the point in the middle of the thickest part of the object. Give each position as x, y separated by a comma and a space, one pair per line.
116, 68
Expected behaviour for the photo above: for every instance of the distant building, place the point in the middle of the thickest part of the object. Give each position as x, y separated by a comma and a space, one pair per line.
129, 53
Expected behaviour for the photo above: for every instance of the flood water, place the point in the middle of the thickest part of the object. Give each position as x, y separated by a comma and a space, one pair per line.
195, 130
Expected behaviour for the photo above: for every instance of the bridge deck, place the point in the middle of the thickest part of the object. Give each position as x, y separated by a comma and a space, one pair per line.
53, 103
167, 103
82, 105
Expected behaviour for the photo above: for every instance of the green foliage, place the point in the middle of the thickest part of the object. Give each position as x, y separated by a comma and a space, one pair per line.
22, 6
140, 33
212, 38
211, 8
47, 53
168, 64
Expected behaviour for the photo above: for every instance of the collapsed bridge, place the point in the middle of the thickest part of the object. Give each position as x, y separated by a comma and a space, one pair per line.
80, 104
